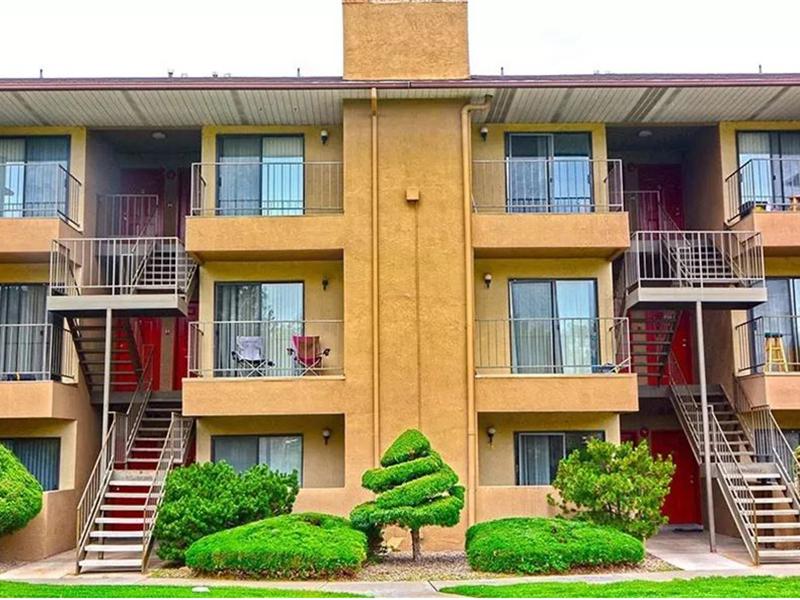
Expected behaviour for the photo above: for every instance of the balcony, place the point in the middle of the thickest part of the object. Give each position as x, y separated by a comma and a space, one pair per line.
664, 269
89, 275
764, 196
548, 208
768, 361
554, 365
265, 367
266, 210
39, 202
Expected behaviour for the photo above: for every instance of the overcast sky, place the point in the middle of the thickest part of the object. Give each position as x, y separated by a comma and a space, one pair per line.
275, 37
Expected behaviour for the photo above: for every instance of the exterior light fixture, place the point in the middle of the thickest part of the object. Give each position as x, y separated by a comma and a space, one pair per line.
490, 433
484, 133
323, 136
487, 280
645, 133
158, 135
326, 435
325, 282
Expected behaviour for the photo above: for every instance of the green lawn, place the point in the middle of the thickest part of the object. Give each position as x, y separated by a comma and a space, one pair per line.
31, 590
704, 587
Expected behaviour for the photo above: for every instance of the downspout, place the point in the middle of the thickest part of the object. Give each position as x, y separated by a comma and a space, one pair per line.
376, 370
469, 293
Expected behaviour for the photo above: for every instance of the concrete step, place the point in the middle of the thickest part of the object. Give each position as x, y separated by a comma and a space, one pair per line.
760, 488
777, 539
122, 507
128, 495
778, 512
778, 555
120, 520
117, 563
114, 547
787, 525
117, 534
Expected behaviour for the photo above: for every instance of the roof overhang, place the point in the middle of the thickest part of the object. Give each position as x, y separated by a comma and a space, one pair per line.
193, 102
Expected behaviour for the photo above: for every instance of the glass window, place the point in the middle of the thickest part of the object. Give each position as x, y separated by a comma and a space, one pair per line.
549, 172
261, 175
262, 316
770, 173
779, 315
537, 455
282, 453
33, 181
41, 456
23, 331
554, 326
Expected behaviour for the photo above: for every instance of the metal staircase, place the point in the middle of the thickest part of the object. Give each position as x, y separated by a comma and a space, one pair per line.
652, 336
753, 465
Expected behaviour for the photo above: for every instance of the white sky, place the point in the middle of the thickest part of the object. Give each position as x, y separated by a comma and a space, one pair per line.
83, 38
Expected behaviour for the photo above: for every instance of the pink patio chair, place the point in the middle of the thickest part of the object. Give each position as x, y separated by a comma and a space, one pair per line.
307, 353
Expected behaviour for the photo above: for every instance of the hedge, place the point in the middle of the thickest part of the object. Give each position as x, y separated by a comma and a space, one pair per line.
205, 498
297, 546
538, 545
20, 493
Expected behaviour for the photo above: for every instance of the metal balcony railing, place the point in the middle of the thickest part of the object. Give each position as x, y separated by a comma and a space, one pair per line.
569, 346
34, 353
694, 259
129, 215
533, 185
120, 266
646, 211
39, 190
266, 348
754, 338
764, 184
269, 189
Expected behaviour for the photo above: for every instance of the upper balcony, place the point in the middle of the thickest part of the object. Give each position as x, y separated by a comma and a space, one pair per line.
764, 196
39, 202
768, 360
265, 367
556, 207
266, 210
554, 365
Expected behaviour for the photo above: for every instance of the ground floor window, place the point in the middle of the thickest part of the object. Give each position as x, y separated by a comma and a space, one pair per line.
41, 456
283, 453
537, 454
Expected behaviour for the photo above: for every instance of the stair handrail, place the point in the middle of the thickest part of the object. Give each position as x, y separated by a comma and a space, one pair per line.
174, 450
139, 400
96, 485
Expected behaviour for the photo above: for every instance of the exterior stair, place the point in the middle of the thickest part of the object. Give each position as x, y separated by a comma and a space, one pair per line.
652, 335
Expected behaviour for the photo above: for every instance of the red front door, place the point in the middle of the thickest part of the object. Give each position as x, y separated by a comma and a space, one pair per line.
682, 505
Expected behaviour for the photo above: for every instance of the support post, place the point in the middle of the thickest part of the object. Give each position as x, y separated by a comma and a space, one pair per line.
701, 364
107, 374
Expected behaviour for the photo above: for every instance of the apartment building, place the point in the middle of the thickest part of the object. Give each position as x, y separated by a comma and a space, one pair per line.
294, 271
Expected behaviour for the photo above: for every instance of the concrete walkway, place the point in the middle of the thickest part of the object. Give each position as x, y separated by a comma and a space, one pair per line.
685, 550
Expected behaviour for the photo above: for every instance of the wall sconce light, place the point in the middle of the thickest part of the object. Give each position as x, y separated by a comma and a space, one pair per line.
487, 280
325, 282
490, 433
326, 435
323, 136
484, 133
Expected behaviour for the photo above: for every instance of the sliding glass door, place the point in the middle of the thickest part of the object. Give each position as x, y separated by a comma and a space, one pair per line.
261, 175
780, 316
24, 351
548, 172
771, 178
554, 326
255, 325
33, 176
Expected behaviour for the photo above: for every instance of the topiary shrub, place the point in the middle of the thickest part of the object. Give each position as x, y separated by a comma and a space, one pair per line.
299, 546
538, 545
20, 493
415, 488
620, 485
208, 497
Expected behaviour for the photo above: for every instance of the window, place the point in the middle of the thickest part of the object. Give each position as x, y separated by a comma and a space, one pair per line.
554, 326
261, 175
33, 180
266, 316
536, 455
282, 453
41, 456
549, 172
24, 332
780, 314
771, 174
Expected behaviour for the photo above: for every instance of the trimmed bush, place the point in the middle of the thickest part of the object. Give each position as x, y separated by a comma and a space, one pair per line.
415, 488
206, 498
20, 493
299, 546
538, 545
620, 485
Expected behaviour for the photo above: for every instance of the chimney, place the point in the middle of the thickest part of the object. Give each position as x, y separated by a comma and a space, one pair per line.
405, 39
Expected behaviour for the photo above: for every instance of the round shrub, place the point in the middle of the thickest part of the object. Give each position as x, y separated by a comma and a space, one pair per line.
208, 497
538, 545
298, 546
20, 493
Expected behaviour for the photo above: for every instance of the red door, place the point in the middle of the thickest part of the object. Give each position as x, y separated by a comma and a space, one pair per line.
150, 328
181, 353
682, 505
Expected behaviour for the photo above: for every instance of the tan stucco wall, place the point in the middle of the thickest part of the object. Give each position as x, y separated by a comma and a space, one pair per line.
405, 39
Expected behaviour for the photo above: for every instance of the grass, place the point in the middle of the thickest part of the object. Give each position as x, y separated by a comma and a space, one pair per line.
35, 590
701, 587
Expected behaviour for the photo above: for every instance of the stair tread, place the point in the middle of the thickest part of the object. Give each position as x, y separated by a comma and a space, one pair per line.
114, 547
777, 512
111, 563
117, 534
122, 507
120, 520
